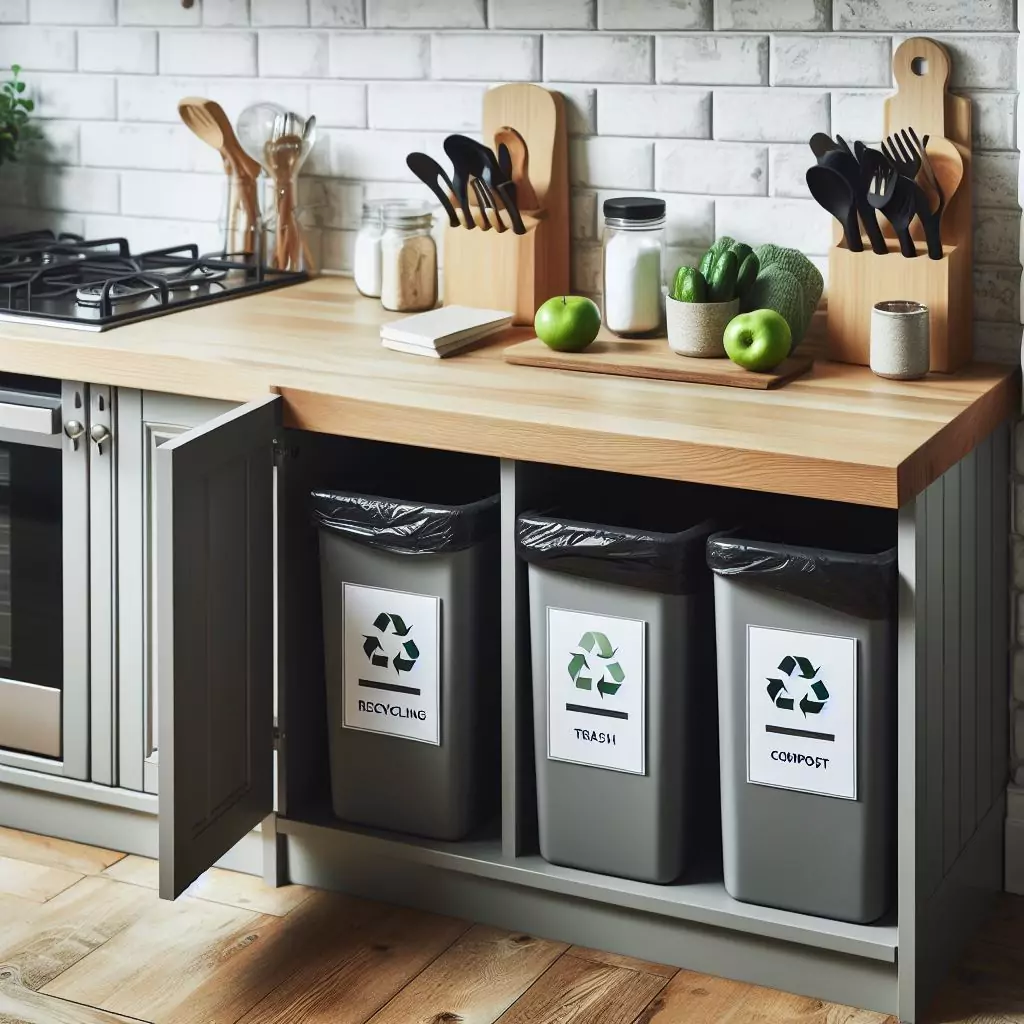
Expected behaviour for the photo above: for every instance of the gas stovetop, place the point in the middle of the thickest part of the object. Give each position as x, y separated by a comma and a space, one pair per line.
66, 281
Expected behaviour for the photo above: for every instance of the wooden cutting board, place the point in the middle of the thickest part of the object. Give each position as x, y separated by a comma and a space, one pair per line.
651, 357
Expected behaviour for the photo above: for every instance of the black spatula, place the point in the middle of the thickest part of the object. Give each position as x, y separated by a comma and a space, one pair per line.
833, 192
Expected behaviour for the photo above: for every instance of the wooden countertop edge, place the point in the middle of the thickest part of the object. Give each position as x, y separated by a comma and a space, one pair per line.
589, 448
958, 438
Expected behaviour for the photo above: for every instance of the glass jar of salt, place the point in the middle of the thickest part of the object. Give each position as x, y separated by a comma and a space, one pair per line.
634, 236
366, 268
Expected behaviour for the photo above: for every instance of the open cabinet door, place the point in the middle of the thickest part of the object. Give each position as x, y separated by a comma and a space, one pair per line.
215, 637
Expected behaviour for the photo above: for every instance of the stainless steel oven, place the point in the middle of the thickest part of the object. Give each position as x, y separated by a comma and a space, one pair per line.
45, 582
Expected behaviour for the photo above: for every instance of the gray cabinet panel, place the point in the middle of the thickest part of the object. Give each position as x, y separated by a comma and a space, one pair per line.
214, 605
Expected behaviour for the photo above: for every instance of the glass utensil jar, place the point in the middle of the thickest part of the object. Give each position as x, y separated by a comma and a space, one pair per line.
367, 263
408, 258
634, 237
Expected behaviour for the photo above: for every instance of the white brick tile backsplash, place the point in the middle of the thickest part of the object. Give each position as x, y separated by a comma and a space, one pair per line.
586, 269
225, 13
994, 119
979, 61
222, 53
859, 115
541, 14
580, 107
612, 163
170, 194
131, 51
831, 60
146, 12
77, 189
236, 94
925, 15
712, 60
337, 104
997, 343
378, 55
426, 13
779, 15
284, 54
154, 233
37, 49
337, 13
654, 15
769, 115
12, 11
73, 12
583, 214
60, 144
797, 223
266, 13
145, 147
380, 156
338, 250
494, 57
407, 105
598, 58
995, 180
787, 170
29, 219
79, 97
156, 98
710, 168
654, 111
331, 204
997, 293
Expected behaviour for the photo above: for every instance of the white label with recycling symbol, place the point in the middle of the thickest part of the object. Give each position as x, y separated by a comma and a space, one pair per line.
802, 711
597, 690
391, 663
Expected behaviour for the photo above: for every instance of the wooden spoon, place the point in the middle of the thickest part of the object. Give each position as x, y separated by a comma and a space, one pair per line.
947, 165
526, 197
283, 156
207, 120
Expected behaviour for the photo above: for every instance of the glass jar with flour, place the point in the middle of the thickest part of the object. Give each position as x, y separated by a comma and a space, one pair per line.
408, 280
634, 236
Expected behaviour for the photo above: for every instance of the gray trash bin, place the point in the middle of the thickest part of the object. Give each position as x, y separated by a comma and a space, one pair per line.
807, 698
411, 641
622, 641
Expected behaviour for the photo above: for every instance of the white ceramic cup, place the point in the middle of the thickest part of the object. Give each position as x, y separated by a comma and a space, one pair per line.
899, 340
697, 328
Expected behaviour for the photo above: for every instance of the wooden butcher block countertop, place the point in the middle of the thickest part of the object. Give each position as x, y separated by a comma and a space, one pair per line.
838, 433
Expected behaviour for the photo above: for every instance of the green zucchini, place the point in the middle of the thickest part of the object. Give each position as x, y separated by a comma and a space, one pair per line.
722, 281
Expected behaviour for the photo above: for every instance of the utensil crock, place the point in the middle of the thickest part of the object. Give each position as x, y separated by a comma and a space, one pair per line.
698, 328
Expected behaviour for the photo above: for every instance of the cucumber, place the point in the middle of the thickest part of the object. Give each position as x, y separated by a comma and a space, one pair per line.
707, 261
709, 258
742, 251
722, 282
747, 274
689, 286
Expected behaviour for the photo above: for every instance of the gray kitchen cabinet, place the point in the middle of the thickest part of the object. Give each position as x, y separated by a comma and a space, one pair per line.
146, 420
214, 592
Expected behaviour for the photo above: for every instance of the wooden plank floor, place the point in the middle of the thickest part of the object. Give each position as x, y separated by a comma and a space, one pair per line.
85, 940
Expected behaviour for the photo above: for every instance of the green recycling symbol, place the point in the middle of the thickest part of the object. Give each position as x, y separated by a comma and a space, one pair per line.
374, 649
596, 646
779, 692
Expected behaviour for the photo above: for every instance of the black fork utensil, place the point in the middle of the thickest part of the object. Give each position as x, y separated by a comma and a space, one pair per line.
931, 219
893, 194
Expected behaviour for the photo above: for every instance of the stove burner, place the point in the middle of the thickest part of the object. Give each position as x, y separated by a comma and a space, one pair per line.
94, 284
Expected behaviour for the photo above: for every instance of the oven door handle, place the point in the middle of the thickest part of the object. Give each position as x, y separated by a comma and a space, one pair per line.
41, 418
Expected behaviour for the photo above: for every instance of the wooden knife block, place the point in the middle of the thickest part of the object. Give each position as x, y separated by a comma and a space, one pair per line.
944, 286
503, 270
857, 280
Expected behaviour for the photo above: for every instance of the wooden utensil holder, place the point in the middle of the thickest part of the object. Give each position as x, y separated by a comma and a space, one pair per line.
503, 270
857, 280
866, 278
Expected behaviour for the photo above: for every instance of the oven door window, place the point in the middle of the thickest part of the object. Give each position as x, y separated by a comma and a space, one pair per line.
31, 546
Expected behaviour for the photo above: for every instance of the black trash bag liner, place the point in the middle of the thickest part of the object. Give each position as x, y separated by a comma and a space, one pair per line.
406, 527
860, 583
664, 563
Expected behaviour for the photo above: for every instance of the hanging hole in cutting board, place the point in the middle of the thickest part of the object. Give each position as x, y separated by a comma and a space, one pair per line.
919, 65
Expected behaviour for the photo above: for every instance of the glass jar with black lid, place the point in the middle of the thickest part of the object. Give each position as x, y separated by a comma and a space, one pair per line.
634, 239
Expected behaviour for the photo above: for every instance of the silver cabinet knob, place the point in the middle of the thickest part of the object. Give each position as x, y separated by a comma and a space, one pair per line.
74, 430
100, 434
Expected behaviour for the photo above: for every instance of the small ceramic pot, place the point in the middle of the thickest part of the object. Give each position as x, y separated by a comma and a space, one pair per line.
899, 340
697, 328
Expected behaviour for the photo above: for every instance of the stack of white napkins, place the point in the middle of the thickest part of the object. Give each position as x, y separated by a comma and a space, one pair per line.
443, 332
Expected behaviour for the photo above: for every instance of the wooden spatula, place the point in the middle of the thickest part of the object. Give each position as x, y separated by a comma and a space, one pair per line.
526, 197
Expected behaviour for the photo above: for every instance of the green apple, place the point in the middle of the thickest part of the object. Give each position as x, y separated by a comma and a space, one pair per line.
758, 340
567, 323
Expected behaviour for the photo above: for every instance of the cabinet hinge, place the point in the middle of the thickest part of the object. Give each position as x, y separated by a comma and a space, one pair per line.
277, 737
280, 452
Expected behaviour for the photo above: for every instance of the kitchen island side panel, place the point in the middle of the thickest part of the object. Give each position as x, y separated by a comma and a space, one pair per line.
953, 696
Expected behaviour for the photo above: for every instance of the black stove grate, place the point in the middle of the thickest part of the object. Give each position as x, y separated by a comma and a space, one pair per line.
67, 280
